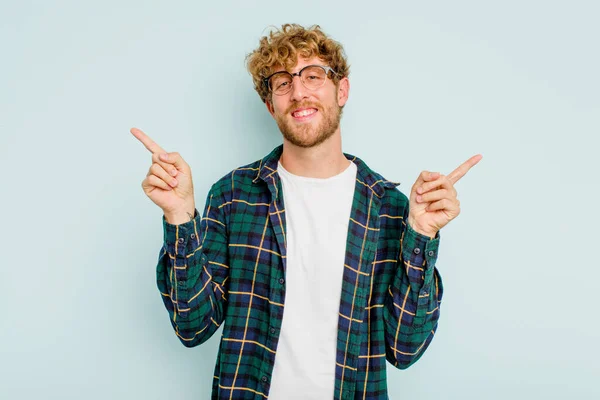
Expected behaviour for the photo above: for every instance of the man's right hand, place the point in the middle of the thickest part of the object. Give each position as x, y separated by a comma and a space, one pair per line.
168, 182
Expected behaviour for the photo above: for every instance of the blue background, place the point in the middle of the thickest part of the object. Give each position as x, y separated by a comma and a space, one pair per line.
432, 83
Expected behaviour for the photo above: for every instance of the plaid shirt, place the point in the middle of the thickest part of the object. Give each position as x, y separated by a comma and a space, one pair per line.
229, 266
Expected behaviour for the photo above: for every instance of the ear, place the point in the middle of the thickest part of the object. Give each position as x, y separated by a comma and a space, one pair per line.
343, 91
270, 107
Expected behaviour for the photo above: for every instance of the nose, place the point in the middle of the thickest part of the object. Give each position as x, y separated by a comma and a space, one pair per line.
298, 91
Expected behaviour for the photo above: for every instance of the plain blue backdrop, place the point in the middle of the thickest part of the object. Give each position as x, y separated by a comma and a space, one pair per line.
432, 83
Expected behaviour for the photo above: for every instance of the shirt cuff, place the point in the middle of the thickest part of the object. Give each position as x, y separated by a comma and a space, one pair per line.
177, 237
418, 247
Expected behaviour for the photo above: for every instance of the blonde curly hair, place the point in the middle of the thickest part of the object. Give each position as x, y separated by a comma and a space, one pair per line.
282, 47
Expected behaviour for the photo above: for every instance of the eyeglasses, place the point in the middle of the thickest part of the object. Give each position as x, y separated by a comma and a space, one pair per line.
311, 76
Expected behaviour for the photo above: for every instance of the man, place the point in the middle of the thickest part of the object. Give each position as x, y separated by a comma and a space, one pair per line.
319, 268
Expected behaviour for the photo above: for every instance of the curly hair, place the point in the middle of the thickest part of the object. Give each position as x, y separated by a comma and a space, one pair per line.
283, 47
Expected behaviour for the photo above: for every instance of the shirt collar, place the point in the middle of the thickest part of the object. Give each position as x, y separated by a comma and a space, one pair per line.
371, 179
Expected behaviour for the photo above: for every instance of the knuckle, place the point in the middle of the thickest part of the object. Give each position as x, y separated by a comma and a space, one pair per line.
155, 168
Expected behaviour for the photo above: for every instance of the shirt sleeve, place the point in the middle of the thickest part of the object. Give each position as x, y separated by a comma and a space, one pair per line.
192, 272
413, 300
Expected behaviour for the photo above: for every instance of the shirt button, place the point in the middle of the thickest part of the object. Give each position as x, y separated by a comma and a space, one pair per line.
264, 379
417, 250
272, 330
193, 236
281, 280
431, 253
180, 240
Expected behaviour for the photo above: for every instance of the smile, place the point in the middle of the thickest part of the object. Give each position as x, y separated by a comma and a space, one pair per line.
304, 113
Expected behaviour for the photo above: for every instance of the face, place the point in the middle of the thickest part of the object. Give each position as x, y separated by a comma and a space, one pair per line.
307, 118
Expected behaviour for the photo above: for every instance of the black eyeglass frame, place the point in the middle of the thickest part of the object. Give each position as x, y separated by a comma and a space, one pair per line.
326, 68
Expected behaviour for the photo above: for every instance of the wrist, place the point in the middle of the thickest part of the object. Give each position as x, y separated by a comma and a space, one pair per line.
426, 232
181, 216
430, 235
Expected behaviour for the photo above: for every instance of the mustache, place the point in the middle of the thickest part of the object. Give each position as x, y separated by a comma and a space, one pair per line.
296, 106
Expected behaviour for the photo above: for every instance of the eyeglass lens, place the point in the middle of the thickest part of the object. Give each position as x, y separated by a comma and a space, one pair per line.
312, 77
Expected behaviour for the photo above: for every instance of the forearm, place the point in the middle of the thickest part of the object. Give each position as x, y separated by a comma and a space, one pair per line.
192, 271
412, 303
187, 289
410, 321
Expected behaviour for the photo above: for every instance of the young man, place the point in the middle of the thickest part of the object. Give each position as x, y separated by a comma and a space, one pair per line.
319, 268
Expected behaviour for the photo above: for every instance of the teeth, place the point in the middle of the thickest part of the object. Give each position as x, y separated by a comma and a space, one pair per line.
304, 113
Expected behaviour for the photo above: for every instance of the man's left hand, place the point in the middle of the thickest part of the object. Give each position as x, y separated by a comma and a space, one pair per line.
433, 202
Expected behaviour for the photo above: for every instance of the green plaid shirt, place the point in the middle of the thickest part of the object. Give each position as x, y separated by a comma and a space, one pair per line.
228, 266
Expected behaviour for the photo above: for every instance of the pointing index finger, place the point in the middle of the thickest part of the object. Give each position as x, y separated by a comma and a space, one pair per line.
146, 141
459, 172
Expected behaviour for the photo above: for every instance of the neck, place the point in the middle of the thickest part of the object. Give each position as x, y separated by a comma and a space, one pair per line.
322, 161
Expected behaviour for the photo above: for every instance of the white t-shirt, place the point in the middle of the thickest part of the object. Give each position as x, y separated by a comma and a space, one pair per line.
317, 214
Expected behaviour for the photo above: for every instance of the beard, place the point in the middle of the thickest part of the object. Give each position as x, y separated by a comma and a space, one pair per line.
307, 135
